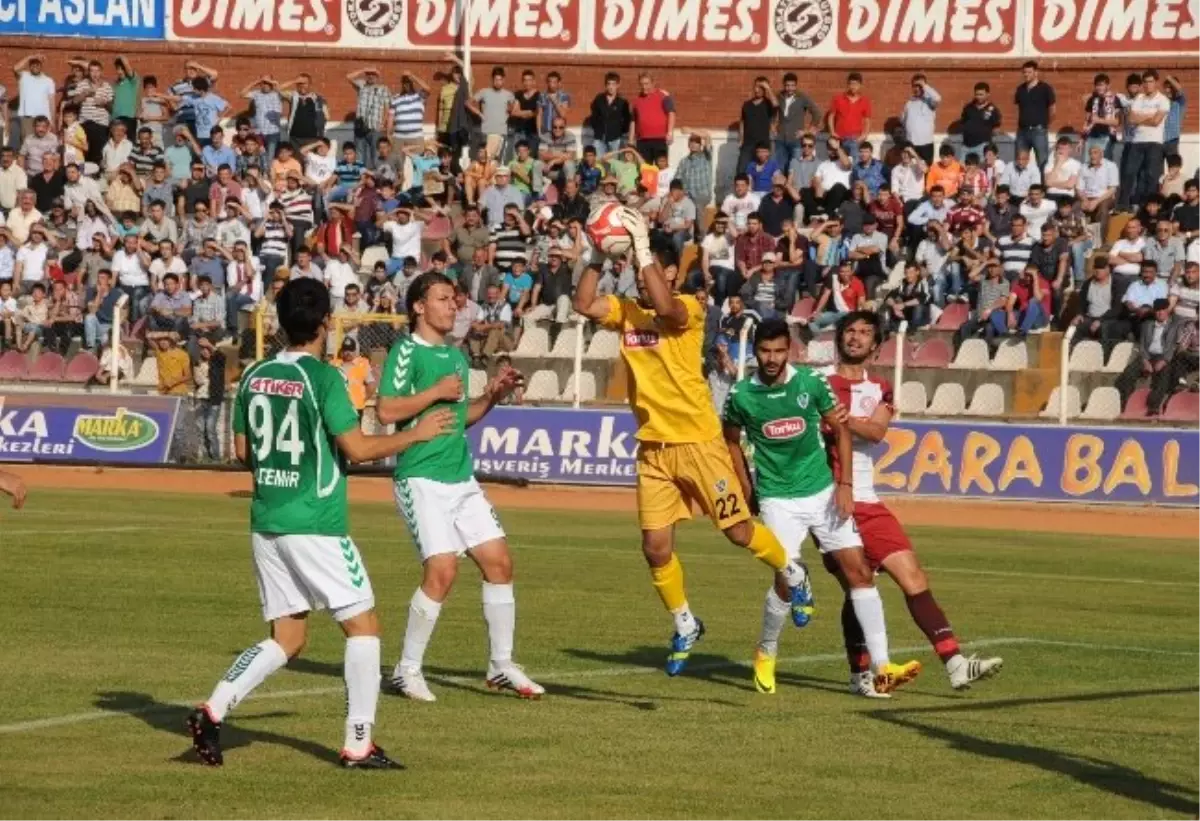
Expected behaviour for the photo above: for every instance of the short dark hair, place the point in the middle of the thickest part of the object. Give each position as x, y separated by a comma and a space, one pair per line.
1100, 78
553, 74
742, 178
303, 306
1030, 64
983, 87
498, 71
200, 84
790, 77
1150, 73
168, 277
159, 203
421, 285
937, 189
854, 76
612, 77
1037, 186
770, 329
1134, 79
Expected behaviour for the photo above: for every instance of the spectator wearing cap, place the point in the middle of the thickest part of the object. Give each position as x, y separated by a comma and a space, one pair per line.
797, 116
499, 197
1142, 293
779, 205
35, 92
370, 111
207, 321
754, 127
1021, 175
848, 119
1101, 300
41, 142
653, 122
49, 184
919, 117
29, 268
978, 121
765, 290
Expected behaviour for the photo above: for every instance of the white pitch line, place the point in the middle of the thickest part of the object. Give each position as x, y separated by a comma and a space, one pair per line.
605, 672
68, 531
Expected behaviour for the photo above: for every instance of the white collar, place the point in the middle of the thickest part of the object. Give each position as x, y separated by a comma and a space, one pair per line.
291, 357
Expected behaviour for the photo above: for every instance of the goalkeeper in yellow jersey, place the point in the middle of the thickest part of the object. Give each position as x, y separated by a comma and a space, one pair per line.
681, 455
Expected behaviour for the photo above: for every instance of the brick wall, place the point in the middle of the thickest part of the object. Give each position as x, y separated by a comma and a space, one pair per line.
709, 93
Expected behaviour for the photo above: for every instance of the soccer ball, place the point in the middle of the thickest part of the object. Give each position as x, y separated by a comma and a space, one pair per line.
606, 232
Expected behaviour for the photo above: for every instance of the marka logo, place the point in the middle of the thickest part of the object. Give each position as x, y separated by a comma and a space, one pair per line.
123, 430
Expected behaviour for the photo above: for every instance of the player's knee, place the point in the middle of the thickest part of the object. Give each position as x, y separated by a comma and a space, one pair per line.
292, 645
657, 546
364, 624
856, 571
740, 533
498, 569
440, 573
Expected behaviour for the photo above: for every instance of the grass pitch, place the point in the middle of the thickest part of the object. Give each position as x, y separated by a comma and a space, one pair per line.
119, 607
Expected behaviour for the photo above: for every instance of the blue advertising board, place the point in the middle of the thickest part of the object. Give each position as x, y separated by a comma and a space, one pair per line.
123, 19
989, 461
66, 428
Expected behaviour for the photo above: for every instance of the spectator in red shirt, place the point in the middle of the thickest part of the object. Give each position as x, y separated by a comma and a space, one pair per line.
751, 245
849, 115
653, 121
888, 212
966, 213
1028, 305
843, 294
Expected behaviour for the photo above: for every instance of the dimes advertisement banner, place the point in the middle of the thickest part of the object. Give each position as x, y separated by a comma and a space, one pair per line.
107, 429
987, 461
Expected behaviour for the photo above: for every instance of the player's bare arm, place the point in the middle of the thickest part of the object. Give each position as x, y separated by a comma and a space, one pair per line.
359, 447
733, 440
843, 494
393, 409
585, 301
501, 386
14, 486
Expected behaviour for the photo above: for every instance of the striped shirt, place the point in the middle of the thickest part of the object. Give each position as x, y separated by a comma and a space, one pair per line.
510, 246
274, 242
268, 111
373, 101
696, 173
297, 205
1014, 254
408, 115
94, 108
144, 160
348, 173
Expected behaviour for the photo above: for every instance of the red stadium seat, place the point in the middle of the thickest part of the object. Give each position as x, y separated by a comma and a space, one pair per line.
13, 366
47, 368
797, 352
886, 355
1183, 407
953, 317
804, 308
81, 369
1135, 407
935, 353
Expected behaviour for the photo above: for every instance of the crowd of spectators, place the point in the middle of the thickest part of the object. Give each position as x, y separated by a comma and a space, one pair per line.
196, 205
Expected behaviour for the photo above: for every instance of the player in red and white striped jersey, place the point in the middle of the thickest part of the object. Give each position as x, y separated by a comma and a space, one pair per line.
867, 402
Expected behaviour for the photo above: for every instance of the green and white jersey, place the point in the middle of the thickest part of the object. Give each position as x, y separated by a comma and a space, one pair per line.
783, 423
414, 365
291, 408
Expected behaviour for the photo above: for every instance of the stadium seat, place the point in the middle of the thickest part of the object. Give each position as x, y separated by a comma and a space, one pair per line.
798, 352
147, 375
886, 355
948, 400
534, 342
972, 356
476, 382
587, 388
1135, 406
988, 400
13, 366
1118, 360
564, 346
543, 387
46, 368
912, 398
953, 316
1087, 357
82, 367
604, 345
1104, 405
935, 353
1012, 355
376, 253
1183, 407
437, 229
820, 352
804, 308
1054, 403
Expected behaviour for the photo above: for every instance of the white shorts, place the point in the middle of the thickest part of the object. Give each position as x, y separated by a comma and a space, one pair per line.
791, 520
446, 517
301, 573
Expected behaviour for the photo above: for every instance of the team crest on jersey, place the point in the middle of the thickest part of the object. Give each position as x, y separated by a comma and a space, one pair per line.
802, 401
277, 387
722, 486
867, 404
635, 338
788, 428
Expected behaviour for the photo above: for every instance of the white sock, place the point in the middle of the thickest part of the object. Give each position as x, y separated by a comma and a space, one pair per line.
685, 622
500, 613
793, 574
868, 607
775, 613
423, 614
954, 661
249, 670
361, 670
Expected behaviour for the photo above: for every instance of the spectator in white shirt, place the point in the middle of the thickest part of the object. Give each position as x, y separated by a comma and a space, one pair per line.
1142, 164
23, 217
831, 183
1098, 184
131, 267
908, 179
341, 272
116, 150
243, 284
1021, 175
1062, 171
12, 179
740, 204
405, 232
35, 92
1036, 209
30, 268
168, 262
1125, 256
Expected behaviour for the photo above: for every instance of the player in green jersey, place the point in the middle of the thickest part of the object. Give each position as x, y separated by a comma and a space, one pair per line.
781, 409
444, 507
294, 426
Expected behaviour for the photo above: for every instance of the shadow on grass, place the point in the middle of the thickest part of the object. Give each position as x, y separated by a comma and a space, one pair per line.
169, 718
1107, 776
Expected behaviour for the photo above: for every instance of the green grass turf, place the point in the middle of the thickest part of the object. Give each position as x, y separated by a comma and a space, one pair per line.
124, 606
